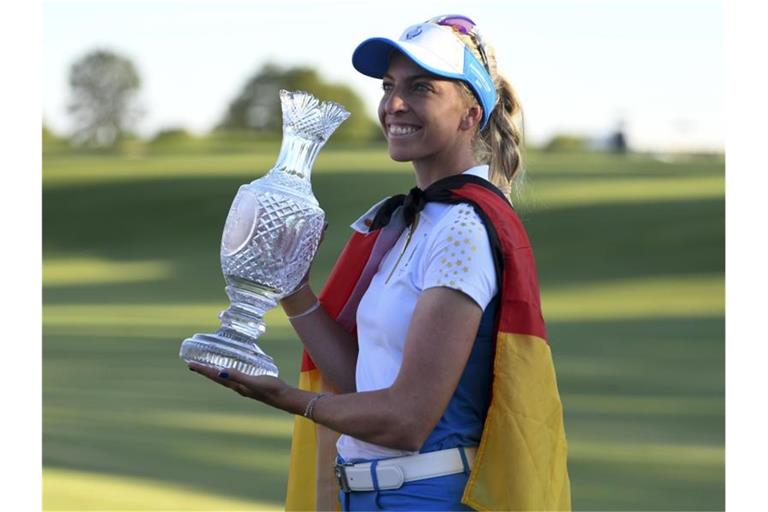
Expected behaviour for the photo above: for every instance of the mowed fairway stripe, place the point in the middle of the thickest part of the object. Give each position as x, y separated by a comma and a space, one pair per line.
648, 453
657, 455
65, 489
625, 298
84, 271
637, 298
143, 315
621, 190
84, 170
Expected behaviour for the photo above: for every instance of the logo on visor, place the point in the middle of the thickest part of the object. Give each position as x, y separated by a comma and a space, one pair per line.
413, 33
480, 77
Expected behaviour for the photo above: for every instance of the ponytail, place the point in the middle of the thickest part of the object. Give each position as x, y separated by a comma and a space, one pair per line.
500, 144
501, 141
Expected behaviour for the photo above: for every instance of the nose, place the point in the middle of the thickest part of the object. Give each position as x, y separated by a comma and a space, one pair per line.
394, 102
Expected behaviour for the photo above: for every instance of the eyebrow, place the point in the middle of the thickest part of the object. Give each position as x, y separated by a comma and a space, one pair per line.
414, 77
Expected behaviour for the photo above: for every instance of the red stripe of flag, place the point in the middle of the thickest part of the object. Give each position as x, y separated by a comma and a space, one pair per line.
343, 278
521, 298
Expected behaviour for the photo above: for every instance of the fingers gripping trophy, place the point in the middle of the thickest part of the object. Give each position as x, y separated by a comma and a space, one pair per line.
270, 238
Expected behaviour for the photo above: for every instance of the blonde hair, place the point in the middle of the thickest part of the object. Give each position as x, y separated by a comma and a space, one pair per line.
501, 143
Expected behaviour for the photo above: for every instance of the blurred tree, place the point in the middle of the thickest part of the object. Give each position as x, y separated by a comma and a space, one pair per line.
103, 98
51, 141
176, 138
172, 135
566, 142
257, 106
48, 135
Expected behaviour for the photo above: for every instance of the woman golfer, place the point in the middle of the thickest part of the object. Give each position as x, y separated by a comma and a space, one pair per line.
426, 350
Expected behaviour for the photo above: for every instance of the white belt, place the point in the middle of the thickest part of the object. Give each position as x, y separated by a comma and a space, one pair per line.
393, 473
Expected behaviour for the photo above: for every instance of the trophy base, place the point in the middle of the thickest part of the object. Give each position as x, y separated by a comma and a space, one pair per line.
223, 352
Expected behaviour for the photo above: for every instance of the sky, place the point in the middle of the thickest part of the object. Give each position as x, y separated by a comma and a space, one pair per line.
579, 66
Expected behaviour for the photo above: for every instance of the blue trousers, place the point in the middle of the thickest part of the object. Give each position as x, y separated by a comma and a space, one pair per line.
439, 493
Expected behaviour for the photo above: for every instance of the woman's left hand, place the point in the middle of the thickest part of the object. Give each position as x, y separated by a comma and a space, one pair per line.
263, 388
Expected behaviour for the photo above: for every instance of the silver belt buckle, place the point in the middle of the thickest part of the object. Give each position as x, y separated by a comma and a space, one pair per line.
341, 476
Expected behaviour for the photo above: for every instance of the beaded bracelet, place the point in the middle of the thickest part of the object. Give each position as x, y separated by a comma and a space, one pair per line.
310, 410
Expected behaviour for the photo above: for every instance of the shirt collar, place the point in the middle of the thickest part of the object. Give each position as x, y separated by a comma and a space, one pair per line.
481, 171
361, 224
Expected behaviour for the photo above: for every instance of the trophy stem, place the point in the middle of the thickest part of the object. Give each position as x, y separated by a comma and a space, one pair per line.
242, 323
248, 303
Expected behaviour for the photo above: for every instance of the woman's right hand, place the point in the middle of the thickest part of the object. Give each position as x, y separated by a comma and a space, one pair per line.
302, 297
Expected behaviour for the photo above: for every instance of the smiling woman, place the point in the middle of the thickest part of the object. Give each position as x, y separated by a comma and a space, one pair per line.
426, 371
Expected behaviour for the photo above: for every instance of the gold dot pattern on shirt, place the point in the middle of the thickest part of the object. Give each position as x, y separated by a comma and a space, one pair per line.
455, 258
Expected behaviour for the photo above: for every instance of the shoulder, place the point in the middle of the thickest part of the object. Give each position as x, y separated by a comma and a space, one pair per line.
459, 255
460, 217
459, 236
457, 220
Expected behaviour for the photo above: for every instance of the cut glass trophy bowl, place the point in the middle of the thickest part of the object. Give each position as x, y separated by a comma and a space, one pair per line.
270, 238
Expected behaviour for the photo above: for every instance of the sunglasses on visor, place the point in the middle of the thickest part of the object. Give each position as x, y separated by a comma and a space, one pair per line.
465, 26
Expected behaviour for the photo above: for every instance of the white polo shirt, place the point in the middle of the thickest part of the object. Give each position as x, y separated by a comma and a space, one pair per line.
450, 248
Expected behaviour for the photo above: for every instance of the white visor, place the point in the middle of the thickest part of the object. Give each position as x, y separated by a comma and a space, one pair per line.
436, 49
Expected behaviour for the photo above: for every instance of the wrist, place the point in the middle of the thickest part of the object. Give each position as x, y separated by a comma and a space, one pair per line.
309, 410
299, 302
301, 286
280, 398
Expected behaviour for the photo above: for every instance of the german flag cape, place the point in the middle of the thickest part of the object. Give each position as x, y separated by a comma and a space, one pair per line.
521, 463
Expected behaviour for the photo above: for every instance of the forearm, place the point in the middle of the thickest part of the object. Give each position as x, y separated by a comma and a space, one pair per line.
391, 417
333, 349
378, 417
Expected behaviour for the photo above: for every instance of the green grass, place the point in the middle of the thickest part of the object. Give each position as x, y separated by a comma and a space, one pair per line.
630, 253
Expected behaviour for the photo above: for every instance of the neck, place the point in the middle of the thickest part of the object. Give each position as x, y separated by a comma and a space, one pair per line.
428, 172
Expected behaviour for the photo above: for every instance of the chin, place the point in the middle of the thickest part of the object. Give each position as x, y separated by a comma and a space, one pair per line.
399, 156
401, 153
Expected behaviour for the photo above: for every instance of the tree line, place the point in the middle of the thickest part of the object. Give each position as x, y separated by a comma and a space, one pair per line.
104, 109
104, 102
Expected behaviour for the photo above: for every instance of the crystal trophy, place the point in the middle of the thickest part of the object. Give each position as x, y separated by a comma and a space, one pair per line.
270, 238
